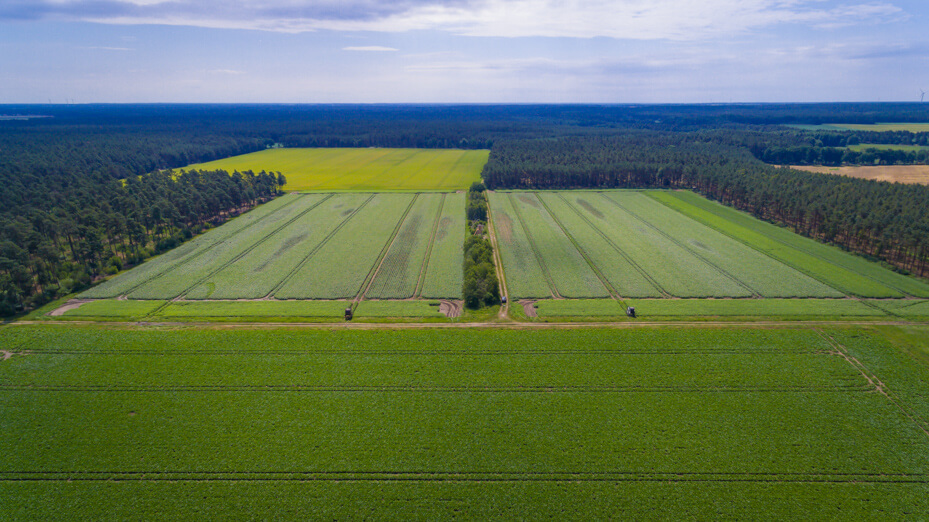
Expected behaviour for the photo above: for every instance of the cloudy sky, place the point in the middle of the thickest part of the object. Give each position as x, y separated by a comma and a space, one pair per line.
463, 51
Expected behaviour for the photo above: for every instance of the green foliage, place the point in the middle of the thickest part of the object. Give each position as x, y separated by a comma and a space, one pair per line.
481, 287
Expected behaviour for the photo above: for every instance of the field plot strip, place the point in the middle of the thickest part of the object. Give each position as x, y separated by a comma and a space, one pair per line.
430, 244
256, 274
189, 274
759, 272
341, 267
626, 277
404, 264
627, 202
830, 265
673, 269
613, 293
522, 265
443, 277
568, 270
127, 282
372, 273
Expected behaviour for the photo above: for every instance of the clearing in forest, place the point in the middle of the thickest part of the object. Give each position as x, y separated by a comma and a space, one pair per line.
914, 174
370, 169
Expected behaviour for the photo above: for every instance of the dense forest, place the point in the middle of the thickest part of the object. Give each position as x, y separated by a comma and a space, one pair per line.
83, 191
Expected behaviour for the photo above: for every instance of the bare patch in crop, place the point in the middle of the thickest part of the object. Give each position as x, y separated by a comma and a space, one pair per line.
450, 308
504, 226
529, 307
73, 304
529, 201
285, 246
589, 208
443, 228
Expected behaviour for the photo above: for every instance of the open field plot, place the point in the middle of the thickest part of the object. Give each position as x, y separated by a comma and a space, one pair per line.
472, 423
918, 174
639, 244
371, 169
444, 278
843, 271
311, 246
873, 127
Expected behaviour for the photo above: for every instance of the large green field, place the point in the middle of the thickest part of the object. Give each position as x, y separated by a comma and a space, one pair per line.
371, 169
158, 423
314, 246
649, 244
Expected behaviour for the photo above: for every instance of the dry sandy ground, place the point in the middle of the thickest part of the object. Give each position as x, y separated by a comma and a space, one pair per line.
898, 173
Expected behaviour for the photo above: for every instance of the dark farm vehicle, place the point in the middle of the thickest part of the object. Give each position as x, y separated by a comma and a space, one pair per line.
630, 311
348, 314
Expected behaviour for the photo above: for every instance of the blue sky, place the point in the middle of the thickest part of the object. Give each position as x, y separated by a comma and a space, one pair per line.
463, 51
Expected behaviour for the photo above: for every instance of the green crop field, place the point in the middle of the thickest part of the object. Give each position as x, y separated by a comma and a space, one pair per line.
658, 308
312, 246
641, 244
879, 146
371, 169
157, 423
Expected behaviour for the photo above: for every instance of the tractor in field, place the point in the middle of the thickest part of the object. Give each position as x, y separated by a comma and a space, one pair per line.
630, 311
348, 314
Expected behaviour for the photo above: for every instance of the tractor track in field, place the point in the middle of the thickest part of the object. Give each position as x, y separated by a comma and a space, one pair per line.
725, 273
372, 274
421, 281
498, 265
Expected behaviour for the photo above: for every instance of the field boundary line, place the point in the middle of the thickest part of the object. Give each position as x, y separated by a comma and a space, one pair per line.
498, 261
593, 266
875, 477
372, 272
769, 254
616, 247
875, 382
428, 258
535, 249
692, 252
321, 244
246, 251
207, 248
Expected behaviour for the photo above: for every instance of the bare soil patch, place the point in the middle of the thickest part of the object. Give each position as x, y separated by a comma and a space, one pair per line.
450, 308
529, 307
912, 174
70, 305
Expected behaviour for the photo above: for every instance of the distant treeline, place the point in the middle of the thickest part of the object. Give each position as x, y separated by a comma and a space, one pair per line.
883, 220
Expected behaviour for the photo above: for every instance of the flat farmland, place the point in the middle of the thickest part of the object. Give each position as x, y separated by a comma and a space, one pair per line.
370, 169
917, 174
313, 246
646, 244
799, 422
870, 127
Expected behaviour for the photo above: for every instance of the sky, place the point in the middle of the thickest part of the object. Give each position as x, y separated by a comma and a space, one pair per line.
462, 51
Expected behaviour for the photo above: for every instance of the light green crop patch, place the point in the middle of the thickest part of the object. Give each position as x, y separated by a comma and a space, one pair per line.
371, 169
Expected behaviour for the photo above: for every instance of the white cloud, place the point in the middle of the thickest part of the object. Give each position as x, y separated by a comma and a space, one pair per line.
627, 19
371, 48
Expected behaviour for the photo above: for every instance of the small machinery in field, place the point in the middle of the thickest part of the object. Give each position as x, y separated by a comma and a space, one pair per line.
348, 314
630, 311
